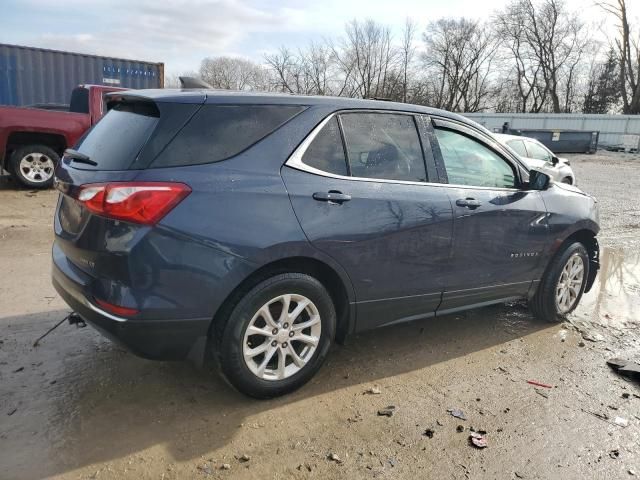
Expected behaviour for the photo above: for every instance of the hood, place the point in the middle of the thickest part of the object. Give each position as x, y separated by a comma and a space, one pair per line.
572, 188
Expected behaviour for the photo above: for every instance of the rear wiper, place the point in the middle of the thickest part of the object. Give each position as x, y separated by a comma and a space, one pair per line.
79, 157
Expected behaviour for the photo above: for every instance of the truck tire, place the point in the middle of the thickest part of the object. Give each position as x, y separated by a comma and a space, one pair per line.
34, 165
563, 284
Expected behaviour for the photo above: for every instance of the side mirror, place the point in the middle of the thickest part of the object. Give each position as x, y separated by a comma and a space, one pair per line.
538, 180
555, 160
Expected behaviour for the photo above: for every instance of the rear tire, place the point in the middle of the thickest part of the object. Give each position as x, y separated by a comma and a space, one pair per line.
563, 284
288, 357
34, 165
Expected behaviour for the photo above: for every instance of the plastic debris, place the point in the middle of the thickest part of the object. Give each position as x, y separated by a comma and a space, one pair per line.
623, 422
625, 367
372, 391
456, 412
478, 440
538, 384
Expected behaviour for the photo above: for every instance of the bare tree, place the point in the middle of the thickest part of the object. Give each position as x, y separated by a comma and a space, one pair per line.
458, 58
368, 59
547, 44
232, 73
407, 52
628, 47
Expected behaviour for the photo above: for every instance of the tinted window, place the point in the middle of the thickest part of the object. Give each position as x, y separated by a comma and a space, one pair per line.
79, 100
518, 147
383, 146
115, 141
469, 162
326, 152
218, 132
538, 152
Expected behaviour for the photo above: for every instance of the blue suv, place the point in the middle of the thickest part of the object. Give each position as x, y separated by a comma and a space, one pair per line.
258, 229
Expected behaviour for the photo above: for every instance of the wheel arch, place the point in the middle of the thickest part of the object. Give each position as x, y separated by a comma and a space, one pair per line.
588, 238
18, 139
322, 271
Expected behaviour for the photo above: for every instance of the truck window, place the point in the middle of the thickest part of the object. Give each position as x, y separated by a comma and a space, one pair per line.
79, 100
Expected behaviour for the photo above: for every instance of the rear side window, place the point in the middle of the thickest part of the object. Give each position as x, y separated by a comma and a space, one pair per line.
326, 152
115, 141
218, 132
383, 146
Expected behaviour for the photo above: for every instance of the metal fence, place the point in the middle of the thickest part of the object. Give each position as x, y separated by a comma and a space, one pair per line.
615, 130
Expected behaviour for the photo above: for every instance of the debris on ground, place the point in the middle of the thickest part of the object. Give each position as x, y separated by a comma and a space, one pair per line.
225, 466
304, 465
623, 422
372, 391
387, 411
628, 368
625, 395
614, 453
11, 412
460, 428
334, 458
538, 384
563, 335
456, 412
244, 458
478, 439
631, 472
205, 468
18, 369
429, 432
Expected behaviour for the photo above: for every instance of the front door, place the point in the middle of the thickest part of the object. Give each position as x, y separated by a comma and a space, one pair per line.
358, 188
500, 229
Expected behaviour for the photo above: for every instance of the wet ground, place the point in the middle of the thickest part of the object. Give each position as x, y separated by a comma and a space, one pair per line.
79, 407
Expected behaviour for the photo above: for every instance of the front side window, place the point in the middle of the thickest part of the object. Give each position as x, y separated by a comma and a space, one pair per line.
518, 147
326, 152
383, 146
468, 162
538, 152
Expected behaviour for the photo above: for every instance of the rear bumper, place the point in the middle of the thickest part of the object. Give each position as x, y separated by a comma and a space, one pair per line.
178, 339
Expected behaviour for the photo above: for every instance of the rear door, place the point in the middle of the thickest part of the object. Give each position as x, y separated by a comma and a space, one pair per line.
500, 228
358, 186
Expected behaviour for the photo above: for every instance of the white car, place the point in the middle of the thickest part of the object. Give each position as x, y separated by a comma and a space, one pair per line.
537, 156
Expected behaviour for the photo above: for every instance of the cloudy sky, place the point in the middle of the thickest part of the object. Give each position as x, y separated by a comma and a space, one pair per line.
180, 33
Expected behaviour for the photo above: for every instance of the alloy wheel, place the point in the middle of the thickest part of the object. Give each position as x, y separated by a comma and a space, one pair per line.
282, 337
570, 283
36, 167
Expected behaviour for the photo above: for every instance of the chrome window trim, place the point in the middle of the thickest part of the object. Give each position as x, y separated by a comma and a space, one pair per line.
295, 159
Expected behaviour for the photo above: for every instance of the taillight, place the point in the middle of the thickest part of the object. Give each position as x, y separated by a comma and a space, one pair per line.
137, 202
116, 309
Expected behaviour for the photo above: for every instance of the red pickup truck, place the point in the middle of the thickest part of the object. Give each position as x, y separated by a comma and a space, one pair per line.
32, 140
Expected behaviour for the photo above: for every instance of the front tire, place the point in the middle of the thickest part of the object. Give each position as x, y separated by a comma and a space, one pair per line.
563, 284
34, 165
277, 336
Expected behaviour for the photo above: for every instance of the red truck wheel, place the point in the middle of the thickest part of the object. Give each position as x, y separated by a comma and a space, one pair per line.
34, 165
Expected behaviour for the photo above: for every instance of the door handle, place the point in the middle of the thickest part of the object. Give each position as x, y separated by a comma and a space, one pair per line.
332, 196
470, 203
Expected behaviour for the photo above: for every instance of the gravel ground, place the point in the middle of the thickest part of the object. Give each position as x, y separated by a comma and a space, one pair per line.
80, 407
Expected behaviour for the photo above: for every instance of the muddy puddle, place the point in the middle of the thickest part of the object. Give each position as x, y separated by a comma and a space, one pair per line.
614, 300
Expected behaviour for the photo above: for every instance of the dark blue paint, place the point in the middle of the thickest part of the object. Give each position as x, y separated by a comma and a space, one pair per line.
401, 251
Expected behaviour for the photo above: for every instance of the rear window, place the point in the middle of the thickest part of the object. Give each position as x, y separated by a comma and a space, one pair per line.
218, 132
115, 141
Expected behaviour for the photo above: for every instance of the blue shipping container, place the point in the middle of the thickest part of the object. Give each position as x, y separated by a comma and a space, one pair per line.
35, 75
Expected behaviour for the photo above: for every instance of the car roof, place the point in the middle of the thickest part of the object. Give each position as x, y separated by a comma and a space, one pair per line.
236, 97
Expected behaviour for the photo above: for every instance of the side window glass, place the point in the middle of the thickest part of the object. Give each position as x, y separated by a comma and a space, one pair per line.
326, 152
384, 146
538, 152
468, 162
518, 147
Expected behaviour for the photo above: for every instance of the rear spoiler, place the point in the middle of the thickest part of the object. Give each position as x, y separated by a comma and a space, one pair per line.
192, 82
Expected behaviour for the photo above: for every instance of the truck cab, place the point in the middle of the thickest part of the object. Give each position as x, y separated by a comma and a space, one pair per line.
32, 140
